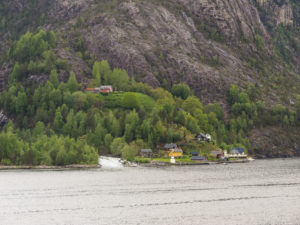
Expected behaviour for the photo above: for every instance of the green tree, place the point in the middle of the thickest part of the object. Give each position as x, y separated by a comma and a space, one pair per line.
21, 102
130, 101
79, 100
117, 146
54, 79
72, 83
49, 62
18, 73
12, 148
58, 121
119, 79
233, 94
116, 128
61, 157
131, 123
105, 71
108, 139
130, 151
191, 104
96, 73
38, 130
181, 90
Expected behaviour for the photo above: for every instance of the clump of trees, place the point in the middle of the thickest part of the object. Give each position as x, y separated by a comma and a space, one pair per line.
33, 54
181, 90
37, 148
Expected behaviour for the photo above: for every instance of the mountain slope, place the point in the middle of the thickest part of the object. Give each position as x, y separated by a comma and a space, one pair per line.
209, 45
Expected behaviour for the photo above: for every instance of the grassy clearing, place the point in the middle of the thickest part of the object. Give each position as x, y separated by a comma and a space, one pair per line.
145, 101
114, 100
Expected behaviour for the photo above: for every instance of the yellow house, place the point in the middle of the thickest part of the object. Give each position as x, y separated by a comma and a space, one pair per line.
176, 152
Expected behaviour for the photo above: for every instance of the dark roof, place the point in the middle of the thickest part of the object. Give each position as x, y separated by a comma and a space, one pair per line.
201, 135
146, 150
171, 145
237, 151
194, 153
199, 158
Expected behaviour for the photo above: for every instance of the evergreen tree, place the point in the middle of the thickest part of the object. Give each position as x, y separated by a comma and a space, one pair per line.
72, 83
54, 79
58, 121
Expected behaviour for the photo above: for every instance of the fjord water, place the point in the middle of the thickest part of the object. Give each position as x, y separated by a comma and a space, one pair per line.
262, 192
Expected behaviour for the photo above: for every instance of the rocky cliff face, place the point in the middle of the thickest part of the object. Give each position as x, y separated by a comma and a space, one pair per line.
207, 44
204, 43
233, 19
280, 11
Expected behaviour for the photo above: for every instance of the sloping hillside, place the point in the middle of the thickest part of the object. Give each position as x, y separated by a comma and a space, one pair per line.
209, 45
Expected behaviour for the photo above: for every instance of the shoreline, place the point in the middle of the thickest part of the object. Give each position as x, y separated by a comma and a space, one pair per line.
129, 164
43, 167
206, 163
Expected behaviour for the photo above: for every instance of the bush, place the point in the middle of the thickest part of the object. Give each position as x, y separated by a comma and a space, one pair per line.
130, 101
181, 90
117, 146
141, 160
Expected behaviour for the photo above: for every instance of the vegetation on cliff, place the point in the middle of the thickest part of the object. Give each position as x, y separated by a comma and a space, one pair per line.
57, 123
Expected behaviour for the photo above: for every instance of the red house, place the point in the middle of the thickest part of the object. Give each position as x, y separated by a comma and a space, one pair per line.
106, 89
90, 89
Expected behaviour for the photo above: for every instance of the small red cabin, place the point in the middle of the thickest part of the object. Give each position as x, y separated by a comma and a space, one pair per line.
106, 89
90, 89
101, 89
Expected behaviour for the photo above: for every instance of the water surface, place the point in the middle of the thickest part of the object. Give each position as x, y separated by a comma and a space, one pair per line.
263, 192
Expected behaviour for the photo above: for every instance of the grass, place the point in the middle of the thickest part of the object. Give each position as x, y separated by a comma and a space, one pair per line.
114, 100
146, 101
203, 147
181, 160
139, 159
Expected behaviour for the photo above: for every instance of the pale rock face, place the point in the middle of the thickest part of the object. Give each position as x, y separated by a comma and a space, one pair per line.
281, 14
233, 18
261, 2
64, 9
285, 16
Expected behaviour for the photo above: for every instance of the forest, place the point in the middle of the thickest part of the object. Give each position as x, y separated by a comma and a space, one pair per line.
57, 122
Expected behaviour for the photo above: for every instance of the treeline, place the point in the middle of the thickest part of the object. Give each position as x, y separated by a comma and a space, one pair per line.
249, 112
36, 147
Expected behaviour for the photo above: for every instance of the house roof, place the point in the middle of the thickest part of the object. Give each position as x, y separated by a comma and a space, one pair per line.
169, 146
237, 151
194, 153
146, 150
216, 152
201, 135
